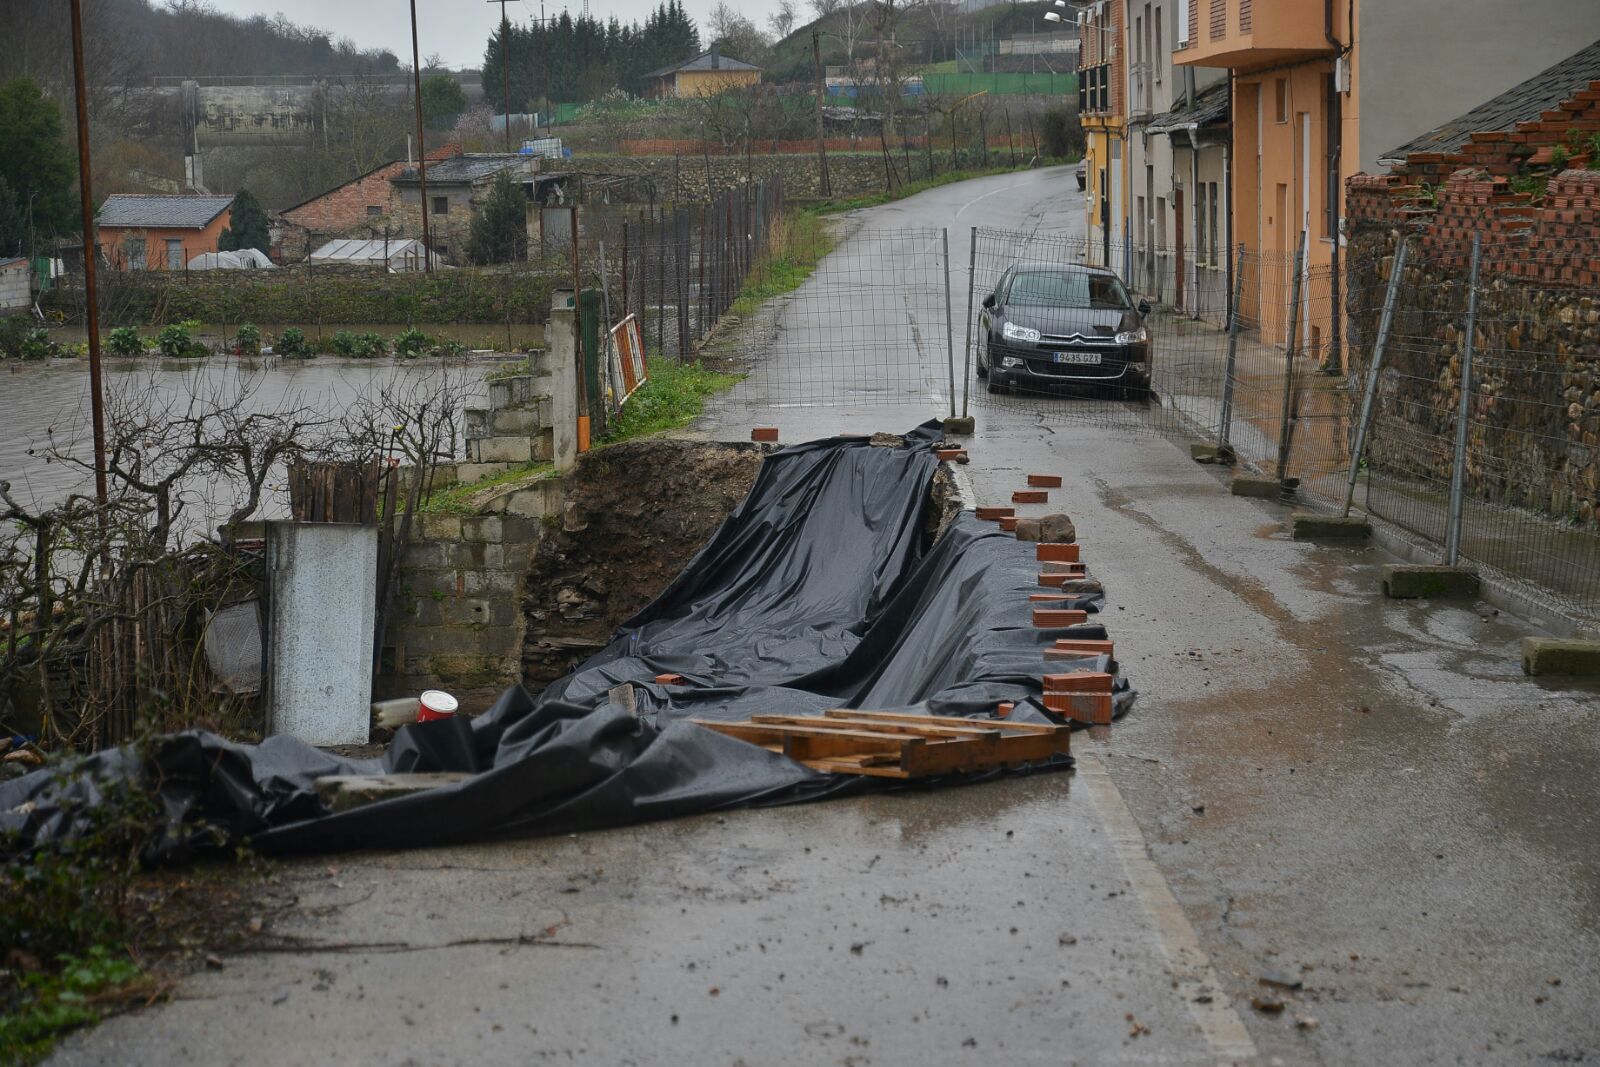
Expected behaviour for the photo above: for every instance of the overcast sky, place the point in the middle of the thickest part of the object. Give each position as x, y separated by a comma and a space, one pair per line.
457, 30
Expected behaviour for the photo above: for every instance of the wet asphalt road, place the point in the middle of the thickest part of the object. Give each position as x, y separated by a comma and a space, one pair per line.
1361, 796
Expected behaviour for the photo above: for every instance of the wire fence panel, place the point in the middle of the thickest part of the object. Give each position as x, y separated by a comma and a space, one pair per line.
1530, 473
1079, 348
871, 325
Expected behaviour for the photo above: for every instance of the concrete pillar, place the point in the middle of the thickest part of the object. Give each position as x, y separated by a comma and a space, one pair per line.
562, 340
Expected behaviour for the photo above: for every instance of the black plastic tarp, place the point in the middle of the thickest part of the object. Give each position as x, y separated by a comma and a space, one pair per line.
818, 592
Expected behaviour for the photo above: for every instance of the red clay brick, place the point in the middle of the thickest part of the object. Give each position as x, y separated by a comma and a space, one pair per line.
764, 433
1078, 682
1076, 570
949, 455
1056, 552
1008, 523
1003, 709
1048, 579
669, 679
1045, 481
1084, 644
1052, 617
1030, 496
1091, 708
996, 513
1045, 598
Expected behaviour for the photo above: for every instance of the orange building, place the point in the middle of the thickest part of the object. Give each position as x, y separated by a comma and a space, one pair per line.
139, 232
1322, 88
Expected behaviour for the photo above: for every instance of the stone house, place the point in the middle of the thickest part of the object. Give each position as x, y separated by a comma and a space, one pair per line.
361, 207
455, 187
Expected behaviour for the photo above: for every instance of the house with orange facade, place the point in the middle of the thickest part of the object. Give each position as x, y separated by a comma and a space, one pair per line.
1321, 88
149, 232
706, 74
1316, 91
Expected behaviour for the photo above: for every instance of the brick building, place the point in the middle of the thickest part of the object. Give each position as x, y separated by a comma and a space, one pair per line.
360, 207
1515, 169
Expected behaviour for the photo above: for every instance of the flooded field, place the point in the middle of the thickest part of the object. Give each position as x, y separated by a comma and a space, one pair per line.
45, 403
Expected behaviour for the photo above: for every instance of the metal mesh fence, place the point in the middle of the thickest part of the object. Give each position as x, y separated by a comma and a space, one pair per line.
682, 269
1528, 475
1079, 349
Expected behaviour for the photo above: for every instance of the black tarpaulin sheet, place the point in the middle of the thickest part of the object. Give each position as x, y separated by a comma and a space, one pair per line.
818, 592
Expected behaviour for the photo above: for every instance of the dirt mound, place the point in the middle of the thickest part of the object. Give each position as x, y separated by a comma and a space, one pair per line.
635, 514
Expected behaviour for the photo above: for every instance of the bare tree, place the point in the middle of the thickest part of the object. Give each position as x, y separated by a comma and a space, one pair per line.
782, 20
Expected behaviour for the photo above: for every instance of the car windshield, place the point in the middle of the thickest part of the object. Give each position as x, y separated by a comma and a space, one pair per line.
1069, 289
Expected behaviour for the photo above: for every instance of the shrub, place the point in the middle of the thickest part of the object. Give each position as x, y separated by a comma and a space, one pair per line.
14, 330
37, 345
448, 348
411, 343
352, 345
292, 343
125, 341
1060, 133
174, 341
249, 339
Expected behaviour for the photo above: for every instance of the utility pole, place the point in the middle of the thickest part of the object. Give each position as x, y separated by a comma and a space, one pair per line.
505, 66
91, 301
826, 188
422, 146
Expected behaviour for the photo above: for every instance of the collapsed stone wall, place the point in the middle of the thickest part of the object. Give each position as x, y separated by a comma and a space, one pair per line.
1534, 434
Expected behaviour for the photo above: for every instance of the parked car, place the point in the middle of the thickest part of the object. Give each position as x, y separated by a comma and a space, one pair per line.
1083, 174
1051, 325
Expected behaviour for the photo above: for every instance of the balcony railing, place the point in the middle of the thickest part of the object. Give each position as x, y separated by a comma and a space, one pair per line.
1140, 89
1094, 89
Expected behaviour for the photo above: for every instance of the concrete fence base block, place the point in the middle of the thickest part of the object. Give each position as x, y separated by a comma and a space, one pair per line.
1206, 452
962, 425
1409, 581
1554, 655
1309, 526
1260, 488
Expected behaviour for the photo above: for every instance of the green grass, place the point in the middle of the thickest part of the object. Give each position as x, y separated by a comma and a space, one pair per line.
673, 396
52, 1003
799, 241
460, 499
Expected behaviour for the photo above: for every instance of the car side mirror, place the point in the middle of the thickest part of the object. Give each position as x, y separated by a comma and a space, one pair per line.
1144, 308
988, 301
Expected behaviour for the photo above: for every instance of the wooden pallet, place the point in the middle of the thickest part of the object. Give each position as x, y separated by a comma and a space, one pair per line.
889, 744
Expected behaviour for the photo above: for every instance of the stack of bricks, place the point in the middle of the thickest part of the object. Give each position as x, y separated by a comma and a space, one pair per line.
1079, 676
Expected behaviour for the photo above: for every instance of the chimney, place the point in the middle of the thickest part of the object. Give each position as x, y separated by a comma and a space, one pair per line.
716, 60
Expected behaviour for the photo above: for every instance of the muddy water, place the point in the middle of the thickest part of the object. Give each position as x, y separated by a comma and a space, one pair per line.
45, 403
480, 336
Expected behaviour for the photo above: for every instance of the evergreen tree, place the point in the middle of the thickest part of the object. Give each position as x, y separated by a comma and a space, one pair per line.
443, 101
247, 226
37, 164
13, 223
500, 228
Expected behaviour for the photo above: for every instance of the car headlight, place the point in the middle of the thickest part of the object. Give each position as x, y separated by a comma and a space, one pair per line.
1133, 337
1012, 332
1010, 361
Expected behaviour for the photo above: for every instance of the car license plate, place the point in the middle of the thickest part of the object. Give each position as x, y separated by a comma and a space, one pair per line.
1081, 358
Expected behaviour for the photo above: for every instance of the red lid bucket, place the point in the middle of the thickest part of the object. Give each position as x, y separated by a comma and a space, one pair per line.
436, 704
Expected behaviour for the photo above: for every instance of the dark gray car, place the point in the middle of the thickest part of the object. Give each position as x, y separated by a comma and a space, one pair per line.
1051, 325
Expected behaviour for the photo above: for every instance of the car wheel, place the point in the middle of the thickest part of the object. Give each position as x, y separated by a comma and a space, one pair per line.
995, 387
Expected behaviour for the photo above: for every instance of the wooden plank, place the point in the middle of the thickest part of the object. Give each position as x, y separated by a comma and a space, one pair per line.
809, 742
938, 720
955, 729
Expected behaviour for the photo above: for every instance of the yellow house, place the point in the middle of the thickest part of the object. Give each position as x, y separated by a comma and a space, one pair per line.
1102, 108
706, 74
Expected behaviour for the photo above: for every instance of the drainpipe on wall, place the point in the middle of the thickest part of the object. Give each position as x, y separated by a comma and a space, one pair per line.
1334, 360
1228, 180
